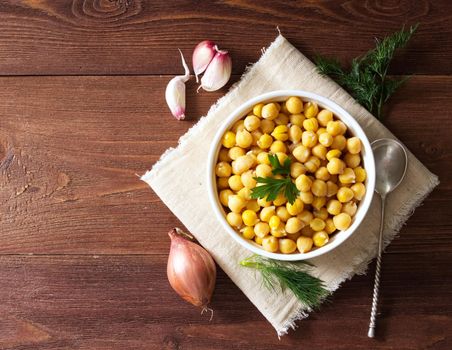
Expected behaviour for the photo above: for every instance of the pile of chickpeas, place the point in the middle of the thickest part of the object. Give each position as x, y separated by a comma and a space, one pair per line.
325, 167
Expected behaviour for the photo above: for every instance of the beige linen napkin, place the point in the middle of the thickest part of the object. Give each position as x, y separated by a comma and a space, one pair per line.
282, 66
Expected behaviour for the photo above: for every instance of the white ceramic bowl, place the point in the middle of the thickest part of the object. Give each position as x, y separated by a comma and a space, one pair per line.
353, 128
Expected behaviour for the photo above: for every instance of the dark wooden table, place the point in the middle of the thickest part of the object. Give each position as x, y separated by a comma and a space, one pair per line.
84, 243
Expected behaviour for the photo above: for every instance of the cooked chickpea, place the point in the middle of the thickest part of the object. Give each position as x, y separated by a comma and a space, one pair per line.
267, 126
245, 193
304, 244
360, 174
281, 133
311, 124
234, 219
223, 169
297, 169
339, 142
335, 166
303, 183
309, 139
283, 213
331, 188
295, 133
236, 203
243, 139
224, 197
223, 155
270, 244
247, 179
320, 238
342, 221
222, 183
236, 152
249, 217
312, 164
317, 224
252, 122
334, 153
306, 197
321, 213
297, 119
257, 109
261, 229
359, 190
319, 188
262, 158
267, 213
282, 119
334, 207
350, 208
287, 246
295, 208
235, 183
334, 128
324, 166
306, 216
242, 164
348, 176
318, 202
265, 141
345, 194
294, 105
294, 225
263, 170
280, 199
319, 151
278, 146
228, 140
301, 153
322, 174
354, 145
329, 226
270, 111
325, 139
311, 109
324, 117
352, 160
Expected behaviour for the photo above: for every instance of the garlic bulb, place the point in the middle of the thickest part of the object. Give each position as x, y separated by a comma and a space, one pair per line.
218, 71
202, 55
175, 92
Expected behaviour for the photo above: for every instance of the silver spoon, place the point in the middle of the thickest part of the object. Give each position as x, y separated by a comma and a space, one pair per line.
390, 163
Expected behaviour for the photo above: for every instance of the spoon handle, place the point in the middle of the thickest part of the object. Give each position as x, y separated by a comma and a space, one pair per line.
373, 314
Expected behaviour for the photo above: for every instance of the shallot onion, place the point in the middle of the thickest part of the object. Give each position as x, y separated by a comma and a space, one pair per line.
191, 270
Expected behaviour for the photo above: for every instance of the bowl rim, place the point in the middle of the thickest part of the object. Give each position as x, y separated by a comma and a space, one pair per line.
340, 113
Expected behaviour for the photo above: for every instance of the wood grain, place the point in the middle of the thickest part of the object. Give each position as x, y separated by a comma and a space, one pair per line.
75, 37
111, 302
75, 144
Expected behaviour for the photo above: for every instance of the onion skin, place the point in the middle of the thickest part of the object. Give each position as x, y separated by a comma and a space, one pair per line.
191, 270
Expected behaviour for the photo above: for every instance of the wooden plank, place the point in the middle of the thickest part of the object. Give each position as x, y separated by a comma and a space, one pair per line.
72, 146
111, 302
104, 37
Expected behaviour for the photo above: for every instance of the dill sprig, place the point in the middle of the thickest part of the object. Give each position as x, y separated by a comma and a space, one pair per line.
269, 187
308, 289
367, 79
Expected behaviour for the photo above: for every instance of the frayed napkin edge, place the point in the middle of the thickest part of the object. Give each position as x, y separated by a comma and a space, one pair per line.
362, 261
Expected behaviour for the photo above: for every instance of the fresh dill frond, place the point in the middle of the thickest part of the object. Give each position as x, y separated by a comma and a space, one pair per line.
310, 290
268, 187
366, 80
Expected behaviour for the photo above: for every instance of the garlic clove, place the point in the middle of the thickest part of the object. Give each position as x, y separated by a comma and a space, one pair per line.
175, 92
202, 55
218, 71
